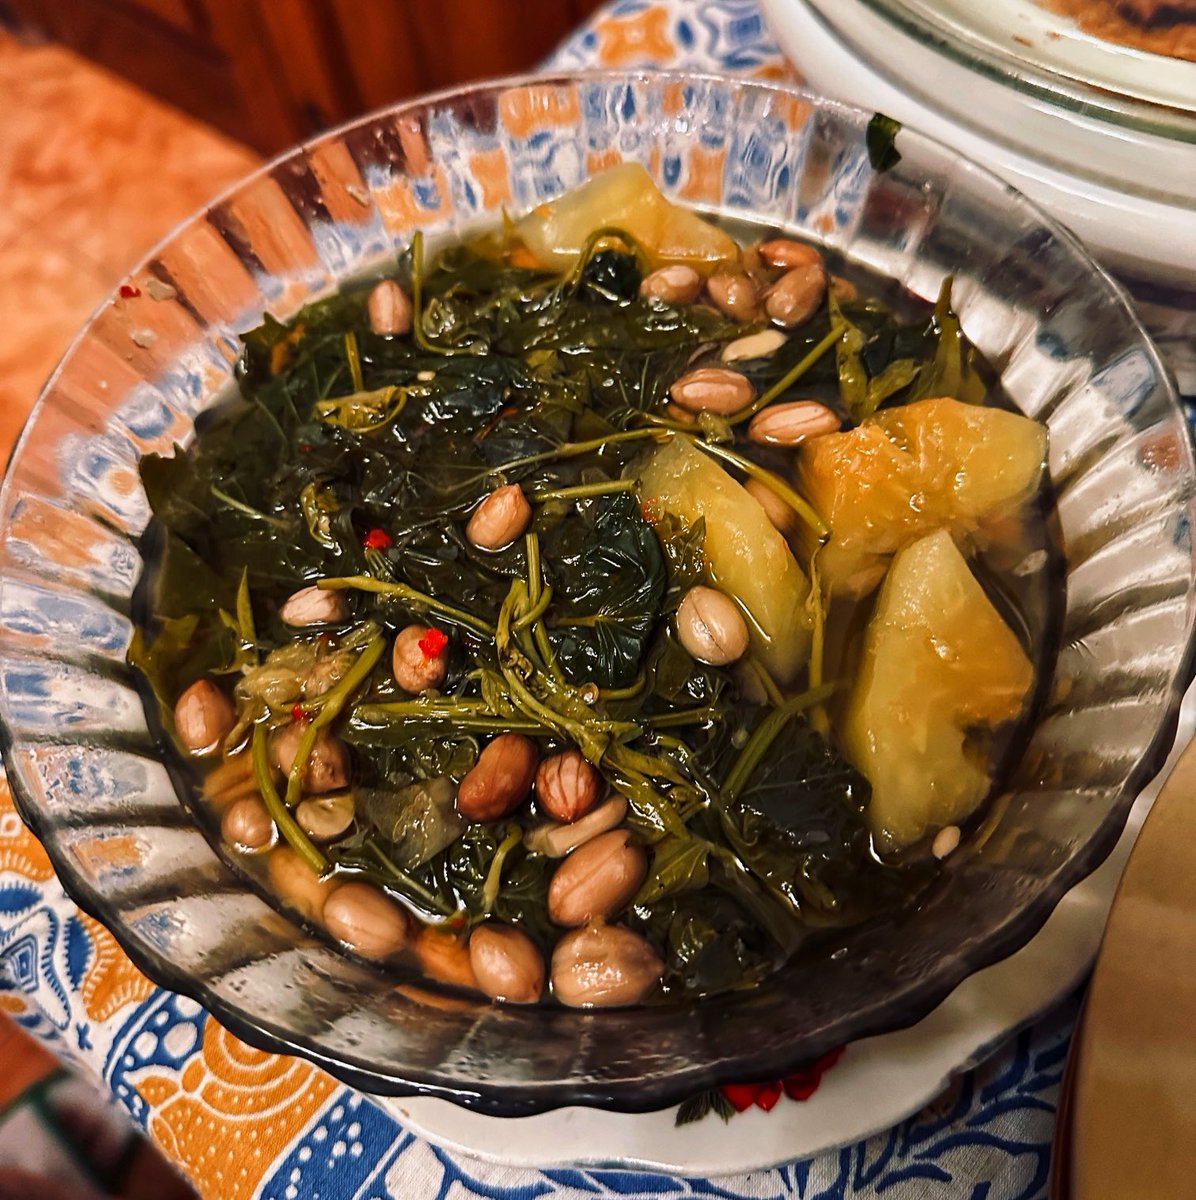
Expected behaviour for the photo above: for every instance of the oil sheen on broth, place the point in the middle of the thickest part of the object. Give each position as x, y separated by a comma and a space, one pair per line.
609, 590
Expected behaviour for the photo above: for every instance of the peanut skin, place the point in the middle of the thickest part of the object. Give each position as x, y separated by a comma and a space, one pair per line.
567, 786
600, 966
597, 880
202, 716
506, 963
500, 780
501, 517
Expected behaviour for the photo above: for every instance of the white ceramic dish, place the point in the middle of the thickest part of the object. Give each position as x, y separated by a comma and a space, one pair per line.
877, 1083
1128, 193
1037, 49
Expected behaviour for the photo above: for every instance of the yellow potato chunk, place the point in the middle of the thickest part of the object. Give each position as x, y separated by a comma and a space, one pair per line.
934, 464
624, 197
746, 557
938, 661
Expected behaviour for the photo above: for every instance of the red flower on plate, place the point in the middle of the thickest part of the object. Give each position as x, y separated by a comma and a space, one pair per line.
739, 1097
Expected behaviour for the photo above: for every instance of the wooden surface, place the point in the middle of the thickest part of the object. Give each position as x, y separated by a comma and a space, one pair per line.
1134, 1102
93, 172
273, 72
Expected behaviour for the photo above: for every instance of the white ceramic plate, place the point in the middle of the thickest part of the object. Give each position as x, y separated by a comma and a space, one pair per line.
876, 1084
1025, 35
1127, 194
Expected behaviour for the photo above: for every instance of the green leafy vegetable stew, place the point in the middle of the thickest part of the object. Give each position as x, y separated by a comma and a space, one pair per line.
600, 610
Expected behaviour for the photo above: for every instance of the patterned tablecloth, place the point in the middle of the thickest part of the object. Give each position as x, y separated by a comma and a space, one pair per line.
241, 1123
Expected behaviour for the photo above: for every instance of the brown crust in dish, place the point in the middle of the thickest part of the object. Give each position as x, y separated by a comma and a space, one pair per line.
1159, 26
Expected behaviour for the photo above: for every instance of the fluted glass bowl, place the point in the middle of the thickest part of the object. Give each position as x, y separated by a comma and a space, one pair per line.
98, 788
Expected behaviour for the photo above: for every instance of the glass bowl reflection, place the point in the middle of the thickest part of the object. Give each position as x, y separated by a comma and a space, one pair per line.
93, 782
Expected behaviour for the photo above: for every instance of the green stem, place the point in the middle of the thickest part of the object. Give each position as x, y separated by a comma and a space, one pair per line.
654, 810
576, 449
287, 825
788, 379
354, 357
334, 700
404, 881
248, 510
373, 715
581, 491
689, 716
817, 667
365, 583
441, 709
572, 281
535, 574
769, 684
494, 875
633, 689
540, 636
534, 613
765, 734
773, 482
417, 308
539, 596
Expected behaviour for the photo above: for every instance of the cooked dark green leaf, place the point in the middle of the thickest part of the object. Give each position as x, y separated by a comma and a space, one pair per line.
881, 140
613, 584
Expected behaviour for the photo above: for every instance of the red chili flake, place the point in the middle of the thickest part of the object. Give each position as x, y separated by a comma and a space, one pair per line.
650, 510
304, 447
433, 643
128, 291
377, 539
298, 713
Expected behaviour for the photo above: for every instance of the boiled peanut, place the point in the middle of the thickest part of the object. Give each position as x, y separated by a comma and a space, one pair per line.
500, 780
501, 517
327, 766
714, 390
247, 823
755, 345
734, 294
313, 606
787, 253
597, 880
506, 963
296, 883
420, 658
555, 840
795, 297
711, 627
203, 715
567, 786
792, 423
389, 309
325, 817
443, 957
603, 965
366, 920
676, 284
